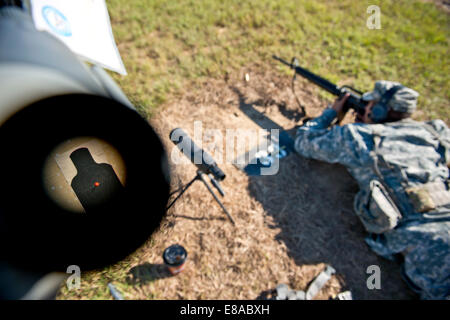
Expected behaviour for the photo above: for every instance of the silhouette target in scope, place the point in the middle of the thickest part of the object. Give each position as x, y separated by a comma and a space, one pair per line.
46, 234
95, 184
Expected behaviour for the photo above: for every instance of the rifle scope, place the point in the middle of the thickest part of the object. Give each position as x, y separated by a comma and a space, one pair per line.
84, 178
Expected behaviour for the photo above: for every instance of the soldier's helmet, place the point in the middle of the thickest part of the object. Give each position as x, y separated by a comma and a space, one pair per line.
403, 100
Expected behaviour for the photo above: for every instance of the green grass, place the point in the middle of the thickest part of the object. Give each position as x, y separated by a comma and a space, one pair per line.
168, 44
94, 284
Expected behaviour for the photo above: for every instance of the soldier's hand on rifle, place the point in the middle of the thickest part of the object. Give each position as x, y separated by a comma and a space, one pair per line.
338, 106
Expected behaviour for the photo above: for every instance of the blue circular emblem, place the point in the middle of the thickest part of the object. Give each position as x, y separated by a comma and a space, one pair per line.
56, 21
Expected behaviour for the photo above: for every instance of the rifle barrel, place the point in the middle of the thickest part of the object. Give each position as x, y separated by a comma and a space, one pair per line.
282, 61
354, 100
318, 80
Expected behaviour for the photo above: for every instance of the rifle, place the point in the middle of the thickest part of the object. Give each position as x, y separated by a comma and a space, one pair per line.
354, 101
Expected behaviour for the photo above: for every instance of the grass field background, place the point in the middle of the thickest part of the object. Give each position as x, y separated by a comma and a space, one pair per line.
167, 45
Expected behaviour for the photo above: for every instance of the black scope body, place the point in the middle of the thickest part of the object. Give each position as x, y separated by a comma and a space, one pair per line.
198, 156
48, 97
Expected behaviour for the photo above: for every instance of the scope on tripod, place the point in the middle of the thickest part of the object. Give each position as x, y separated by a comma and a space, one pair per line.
205, 164
84, 178
198, 156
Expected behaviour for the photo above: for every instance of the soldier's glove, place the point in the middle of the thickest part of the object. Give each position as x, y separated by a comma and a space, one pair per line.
338, 106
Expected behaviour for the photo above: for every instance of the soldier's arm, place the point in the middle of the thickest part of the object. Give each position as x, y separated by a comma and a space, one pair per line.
327, 117
444, 137
323, 121
347, 145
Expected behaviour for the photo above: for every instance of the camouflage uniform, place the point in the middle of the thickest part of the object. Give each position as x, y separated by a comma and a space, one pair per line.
410, 155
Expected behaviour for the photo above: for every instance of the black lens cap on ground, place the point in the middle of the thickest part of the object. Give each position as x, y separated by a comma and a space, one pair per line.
175, 255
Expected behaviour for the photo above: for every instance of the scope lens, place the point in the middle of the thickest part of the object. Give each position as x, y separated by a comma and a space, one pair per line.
84, 182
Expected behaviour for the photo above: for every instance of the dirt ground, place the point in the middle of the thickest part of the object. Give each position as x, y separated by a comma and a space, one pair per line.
288, 226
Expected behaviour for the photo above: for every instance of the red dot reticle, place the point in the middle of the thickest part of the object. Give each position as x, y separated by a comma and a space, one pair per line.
96, 184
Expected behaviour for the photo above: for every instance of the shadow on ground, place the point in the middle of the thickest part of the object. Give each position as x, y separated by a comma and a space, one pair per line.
147, 272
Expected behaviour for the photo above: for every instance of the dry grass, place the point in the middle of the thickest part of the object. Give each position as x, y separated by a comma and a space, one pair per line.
288, 226
185, 64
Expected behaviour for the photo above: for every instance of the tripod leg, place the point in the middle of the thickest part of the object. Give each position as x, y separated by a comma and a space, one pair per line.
183, 189
200, 175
